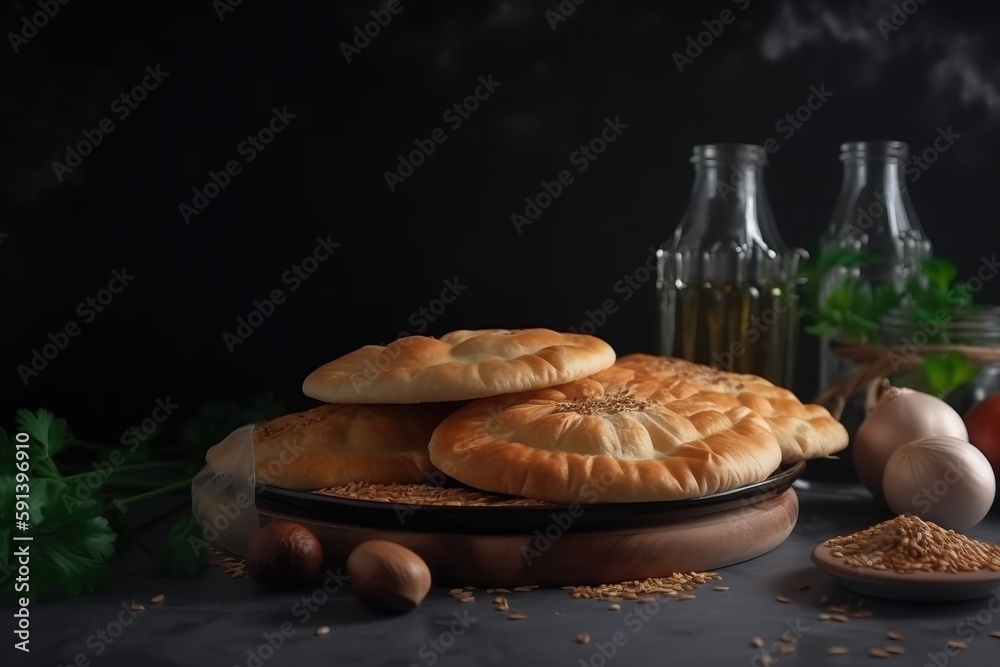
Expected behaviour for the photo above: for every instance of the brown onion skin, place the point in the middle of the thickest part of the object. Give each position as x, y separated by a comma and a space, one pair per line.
284, 555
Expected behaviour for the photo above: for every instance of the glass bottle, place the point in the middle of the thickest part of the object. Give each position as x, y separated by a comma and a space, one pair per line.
873, 213
725, 279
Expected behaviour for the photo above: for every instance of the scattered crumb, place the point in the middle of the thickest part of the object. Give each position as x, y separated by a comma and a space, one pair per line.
583, 638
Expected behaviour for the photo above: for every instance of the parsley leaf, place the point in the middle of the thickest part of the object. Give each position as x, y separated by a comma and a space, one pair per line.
944, 372
185, 553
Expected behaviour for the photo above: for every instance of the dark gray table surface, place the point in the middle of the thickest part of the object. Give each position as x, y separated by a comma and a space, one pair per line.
212, 619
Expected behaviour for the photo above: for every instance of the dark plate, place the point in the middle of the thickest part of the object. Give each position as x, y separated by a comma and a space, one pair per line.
518, 520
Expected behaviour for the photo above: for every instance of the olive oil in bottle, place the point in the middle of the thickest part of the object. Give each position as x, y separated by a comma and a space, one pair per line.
725, 278
743, 329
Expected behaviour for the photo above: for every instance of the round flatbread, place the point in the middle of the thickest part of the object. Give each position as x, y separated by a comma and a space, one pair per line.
334, 445
459, 366
804, 430
617, 436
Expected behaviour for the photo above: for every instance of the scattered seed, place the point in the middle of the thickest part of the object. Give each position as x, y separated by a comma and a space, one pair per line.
894, 636
757, 642
468, 599
837, 609
840, 618
894, 649
682, 598
879, 652
995, 633
782, 598
614, 607
501, 590
957, 644
156, 599
524, 589
135, 606
515, 616
781, 649
764, 660
583, 638
721, 588
322, 630
789, 638
862, 613
837, 650
671, 586
824, 617
456, 591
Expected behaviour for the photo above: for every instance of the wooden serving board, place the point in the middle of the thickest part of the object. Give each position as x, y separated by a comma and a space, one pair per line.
555, 556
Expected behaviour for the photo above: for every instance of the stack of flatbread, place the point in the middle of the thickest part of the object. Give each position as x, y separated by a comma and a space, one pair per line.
541, 415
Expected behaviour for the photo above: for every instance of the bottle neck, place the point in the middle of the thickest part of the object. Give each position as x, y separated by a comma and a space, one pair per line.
729, 203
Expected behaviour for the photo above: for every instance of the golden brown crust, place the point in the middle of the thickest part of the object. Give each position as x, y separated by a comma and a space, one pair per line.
332, 445
458, 366
804, 431
617, 436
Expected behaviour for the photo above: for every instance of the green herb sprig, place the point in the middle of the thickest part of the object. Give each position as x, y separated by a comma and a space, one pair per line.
78, 519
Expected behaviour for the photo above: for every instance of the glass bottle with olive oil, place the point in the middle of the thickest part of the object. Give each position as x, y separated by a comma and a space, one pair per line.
726, 280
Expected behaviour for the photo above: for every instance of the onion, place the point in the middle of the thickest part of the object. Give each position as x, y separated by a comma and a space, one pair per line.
940, 479
901, 416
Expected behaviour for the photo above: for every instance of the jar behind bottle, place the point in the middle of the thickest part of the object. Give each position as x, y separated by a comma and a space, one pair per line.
725, 278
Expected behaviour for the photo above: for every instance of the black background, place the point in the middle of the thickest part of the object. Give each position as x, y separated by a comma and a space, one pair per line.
451, 219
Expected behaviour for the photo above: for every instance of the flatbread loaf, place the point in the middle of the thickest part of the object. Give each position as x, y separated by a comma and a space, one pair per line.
804, 431
458, 366
333, 445
617, 436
